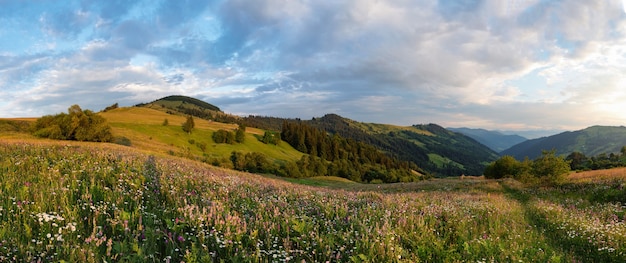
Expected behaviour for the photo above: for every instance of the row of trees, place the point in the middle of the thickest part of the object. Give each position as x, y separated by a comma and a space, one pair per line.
580, 162
346, 158
547, 169
77, 124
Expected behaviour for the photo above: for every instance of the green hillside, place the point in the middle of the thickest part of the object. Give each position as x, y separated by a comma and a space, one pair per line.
431, 147
591, 141
144, 128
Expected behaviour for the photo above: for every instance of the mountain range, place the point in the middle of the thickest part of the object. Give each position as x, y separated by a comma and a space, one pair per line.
436, 150
591, 141
426, 148
495, 140
431, 147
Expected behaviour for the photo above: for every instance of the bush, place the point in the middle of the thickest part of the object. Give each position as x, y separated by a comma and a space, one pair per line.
551, 169
223, 136
548, 169
77, 125
201, 146
121, 140
507, 166
112, 107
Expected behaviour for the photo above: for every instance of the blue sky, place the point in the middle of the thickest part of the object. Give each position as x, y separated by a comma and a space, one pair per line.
494, 64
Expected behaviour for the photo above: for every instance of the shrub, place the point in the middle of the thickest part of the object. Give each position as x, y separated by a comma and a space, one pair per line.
76, 125
121, 140
223, 136
551, 169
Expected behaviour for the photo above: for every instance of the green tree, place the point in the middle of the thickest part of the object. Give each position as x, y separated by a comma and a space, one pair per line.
578, 161
239, 160
507, 166
271, 138
223, 136
76, 125
240, 135
550, 168
188, 125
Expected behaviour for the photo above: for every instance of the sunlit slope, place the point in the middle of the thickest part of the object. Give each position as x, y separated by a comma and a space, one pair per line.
67, 201
144, 127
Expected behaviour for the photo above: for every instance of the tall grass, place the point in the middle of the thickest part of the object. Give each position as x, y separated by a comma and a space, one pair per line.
89, 203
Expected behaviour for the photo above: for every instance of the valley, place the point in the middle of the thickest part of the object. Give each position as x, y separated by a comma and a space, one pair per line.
158, 193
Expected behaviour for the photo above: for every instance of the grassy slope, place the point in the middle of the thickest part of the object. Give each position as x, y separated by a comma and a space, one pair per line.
144, 127
85, 202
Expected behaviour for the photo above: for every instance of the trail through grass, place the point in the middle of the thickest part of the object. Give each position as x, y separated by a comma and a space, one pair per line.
86, 202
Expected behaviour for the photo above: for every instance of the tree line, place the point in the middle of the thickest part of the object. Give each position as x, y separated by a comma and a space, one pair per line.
346, 158
548, 169
581, 162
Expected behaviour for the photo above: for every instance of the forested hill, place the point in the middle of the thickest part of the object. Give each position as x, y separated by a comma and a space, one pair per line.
432, 147
590, 141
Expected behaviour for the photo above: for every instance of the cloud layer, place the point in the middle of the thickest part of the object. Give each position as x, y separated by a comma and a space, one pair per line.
517, 64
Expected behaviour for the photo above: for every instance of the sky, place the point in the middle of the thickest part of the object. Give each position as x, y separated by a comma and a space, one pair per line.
493, 64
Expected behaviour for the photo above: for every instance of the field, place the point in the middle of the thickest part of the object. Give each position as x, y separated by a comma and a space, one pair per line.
144, 128
88, 202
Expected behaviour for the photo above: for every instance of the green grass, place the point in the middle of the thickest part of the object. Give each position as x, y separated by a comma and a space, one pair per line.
90, 202
440, 161
143, 126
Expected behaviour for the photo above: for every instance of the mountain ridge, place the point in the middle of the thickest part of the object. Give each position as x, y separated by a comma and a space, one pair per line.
590, 141
495, 140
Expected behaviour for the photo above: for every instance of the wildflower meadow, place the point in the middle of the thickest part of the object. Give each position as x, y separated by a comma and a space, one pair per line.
83, 202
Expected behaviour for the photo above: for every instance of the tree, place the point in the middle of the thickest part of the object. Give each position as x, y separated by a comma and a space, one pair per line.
76, 125
223, 136
240, 135
578, 161
189, 125
507, 166
271, 138
166, 122
550, 168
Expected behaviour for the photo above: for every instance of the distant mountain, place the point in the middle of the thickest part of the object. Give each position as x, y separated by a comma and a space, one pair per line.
590, 141
433, 148
492, 139
531, 134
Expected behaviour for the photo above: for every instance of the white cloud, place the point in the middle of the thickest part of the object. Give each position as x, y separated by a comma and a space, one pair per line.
503, 64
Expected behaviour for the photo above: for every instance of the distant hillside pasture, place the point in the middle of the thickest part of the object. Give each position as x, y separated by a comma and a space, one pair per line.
144, 127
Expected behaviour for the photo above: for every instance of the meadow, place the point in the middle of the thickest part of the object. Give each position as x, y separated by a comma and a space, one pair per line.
89, 202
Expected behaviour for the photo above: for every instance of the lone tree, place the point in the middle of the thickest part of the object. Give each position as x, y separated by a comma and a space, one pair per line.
240, 134
188, 125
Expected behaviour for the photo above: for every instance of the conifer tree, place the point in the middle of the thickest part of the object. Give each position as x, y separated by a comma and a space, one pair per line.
189, 125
